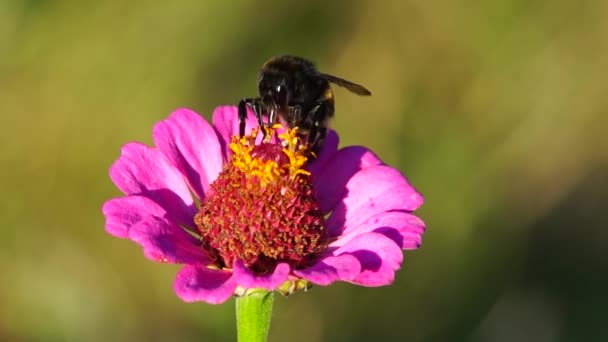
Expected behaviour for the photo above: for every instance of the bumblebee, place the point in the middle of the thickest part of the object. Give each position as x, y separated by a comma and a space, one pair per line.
294, 93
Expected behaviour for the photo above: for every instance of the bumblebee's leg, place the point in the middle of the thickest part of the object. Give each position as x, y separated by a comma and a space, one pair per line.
257, 109
314, 129
272, 116
319, 140
316, 137
243, 114
294, 116
256, 105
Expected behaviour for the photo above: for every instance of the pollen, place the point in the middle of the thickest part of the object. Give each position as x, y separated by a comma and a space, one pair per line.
262, 209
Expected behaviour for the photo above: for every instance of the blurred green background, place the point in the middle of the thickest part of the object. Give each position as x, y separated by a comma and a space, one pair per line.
496, 111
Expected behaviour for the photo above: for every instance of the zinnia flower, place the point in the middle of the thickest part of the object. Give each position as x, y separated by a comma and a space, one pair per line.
241, 213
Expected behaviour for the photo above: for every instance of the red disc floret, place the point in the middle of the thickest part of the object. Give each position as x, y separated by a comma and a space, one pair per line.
259, 222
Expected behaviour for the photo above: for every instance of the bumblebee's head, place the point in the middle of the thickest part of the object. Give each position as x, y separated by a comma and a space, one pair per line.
274, 88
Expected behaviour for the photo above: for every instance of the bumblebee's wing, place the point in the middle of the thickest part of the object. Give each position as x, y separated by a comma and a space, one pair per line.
353, 87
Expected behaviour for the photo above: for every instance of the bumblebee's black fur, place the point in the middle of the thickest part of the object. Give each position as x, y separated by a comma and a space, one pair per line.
292, 90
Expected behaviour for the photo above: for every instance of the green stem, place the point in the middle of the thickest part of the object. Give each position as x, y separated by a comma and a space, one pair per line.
253, 313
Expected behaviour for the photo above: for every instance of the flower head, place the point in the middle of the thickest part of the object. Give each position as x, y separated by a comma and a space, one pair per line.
246, 213
261, 209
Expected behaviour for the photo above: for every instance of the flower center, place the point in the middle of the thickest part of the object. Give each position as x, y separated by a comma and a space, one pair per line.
261, 208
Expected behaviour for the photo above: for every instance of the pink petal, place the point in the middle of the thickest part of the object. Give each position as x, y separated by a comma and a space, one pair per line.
330, 182
123, 212
380, 258
195, 283
371, 191
247, 279
330, 147
164, 241
226, 123
192, 146
403, 228
343, 267
142, 170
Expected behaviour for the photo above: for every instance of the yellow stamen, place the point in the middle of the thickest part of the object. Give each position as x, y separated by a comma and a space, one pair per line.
268, 170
